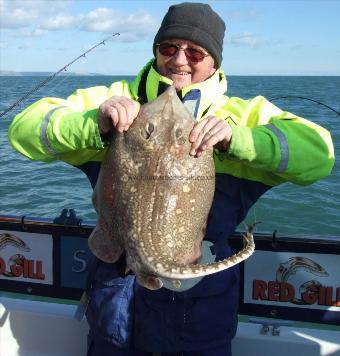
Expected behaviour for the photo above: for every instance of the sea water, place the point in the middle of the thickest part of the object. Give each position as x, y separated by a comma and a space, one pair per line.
38, 189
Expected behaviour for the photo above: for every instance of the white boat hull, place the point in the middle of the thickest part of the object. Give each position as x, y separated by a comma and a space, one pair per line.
35, 328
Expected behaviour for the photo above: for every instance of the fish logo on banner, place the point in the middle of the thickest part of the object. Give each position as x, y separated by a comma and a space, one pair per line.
7, 239
294, 264
299, 280
17, 265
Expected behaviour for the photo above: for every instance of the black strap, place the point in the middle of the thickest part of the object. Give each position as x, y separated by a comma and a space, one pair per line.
142, 88
84, 300
162, 87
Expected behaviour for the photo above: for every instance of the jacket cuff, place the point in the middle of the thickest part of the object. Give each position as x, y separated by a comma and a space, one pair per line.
242, 146
95, 140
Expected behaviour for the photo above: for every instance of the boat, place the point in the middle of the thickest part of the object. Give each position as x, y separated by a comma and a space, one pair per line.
289, 300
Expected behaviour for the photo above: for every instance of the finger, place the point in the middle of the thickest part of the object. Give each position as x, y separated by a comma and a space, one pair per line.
122, 117
127, 111
197, 129
220, 133
126, 120
107, 115
210, 142
204, 125
132, 109
136, 107
113, 114
203, 134
217, 131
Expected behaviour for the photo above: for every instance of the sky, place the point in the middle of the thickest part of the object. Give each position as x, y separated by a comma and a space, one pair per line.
272, 37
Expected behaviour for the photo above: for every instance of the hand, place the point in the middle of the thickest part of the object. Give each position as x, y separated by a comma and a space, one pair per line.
208, 133
118, 112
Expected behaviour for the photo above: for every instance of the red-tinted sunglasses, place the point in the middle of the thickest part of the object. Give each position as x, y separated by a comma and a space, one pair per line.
170, 49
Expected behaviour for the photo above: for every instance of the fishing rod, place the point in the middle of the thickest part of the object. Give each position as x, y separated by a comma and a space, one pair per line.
304, 98
51, 77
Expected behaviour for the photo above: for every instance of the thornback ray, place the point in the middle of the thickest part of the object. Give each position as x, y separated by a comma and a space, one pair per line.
153, 198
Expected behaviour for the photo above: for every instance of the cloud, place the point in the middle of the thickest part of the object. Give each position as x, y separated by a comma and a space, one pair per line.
36, 17
59, 22
24, 13
17, 18
25, 32
99, 20
247, 39
131, 26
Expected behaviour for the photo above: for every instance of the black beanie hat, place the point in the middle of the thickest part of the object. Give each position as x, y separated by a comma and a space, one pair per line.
195, 22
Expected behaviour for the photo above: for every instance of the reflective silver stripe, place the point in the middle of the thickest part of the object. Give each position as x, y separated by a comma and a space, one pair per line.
43, 132
284, 148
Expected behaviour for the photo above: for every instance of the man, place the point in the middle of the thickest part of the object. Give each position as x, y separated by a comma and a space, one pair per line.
257, 146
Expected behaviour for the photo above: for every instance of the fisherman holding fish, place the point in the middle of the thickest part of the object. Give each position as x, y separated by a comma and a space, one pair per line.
256, 146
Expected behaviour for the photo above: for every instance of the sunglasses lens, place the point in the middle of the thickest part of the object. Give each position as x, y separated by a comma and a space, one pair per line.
194, 54
167, 49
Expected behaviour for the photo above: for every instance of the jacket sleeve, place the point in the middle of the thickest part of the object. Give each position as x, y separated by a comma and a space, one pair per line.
65, 129
278, 143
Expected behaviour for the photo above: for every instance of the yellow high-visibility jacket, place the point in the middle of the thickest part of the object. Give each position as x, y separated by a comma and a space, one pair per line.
268, 145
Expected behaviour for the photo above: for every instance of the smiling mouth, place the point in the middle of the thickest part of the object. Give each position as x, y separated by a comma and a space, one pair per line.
177, 72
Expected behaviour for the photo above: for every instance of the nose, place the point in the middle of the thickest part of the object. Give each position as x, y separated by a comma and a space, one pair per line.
180, 58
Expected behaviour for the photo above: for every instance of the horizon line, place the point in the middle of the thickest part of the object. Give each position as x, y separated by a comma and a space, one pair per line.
12, 73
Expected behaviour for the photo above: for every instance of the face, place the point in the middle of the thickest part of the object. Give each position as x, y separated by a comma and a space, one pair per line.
180, 69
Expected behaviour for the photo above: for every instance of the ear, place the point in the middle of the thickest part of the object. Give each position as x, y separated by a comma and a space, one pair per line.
213, 70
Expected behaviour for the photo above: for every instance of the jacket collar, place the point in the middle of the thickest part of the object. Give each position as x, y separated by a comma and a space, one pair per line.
149, 84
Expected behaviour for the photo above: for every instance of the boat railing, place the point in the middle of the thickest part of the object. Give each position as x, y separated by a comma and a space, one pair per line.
288, 277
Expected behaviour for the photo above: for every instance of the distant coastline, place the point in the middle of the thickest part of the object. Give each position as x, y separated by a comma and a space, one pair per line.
9, 73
